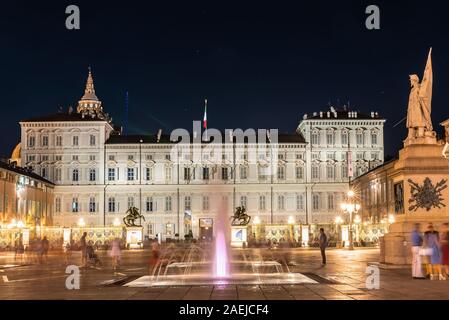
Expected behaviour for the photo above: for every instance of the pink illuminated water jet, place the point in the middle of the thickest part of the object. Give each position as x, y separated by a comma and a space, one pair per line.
221, 260
221, 256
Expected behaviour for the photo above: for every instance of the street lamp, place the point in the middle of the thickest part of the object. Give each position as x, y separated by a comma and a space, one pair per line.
81, 222
352, 208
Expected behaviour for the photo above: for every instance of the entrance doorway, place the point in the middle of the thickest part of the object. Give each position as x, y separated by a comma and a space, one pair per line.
206, 229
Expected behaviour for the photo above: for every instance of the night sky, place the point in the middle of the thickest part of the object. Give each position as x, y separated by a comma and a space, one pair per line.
260, 64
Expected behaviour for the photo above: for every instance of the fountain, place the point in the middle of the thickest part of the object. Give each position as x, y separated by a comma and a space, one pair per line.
212, 264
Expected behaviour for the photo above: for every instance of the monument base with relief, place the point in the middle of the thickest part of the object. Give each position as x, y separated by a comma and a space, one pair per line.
422, 174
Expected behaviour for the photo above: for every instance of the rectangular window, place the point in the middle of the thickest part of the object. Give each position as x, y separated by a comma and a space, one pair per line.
111, 174
315, 138
75, 175
75, 205
263, 173
205, 173
360, 139
130, 202
58, 158
330, 138
344, 138
243, 201
58, 205
92, 158
374, 138
243, 172
130, 157
111, 158
149, 204
344, 172
262, 203
148, 174
169, 229
205, 203
224, 174
168, 174
315, 172
281, 173
44, 172
92, 205
281, 206
187, 203
92, 140
111, 204
187, 175
31, 141
45, 141
168, 203
299, 202
75, 158
330, 202
130, 175
92, 175
59, 141
300, 173
316, 202
75, 141
58, 174
167, 157
330, 172
149, 157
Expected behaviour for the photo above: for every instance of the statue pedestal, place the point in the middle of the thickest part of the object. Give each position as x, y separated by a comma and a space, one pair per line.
239, 236
134, 237
417, 162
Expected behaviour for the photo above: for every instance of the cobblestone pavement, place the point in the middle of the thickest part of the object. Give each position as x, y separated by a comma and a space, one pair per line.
343, 278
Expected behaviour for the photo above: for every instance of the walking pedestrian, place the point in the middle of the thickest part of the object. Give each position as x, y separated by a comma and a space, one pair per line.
417, 242
323, 245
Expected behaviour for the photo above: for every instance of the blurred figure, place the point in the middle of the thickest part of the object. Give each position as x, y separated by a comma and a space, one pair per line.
67, 252
154, 259
45, 248
19, 249
432, 245
38, 250
115, 253
417, 242
444, 240
323, 245
83, 248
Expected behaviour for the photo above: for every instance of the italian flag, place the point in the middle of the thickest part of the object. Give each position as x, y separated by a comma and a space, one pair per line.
205, 115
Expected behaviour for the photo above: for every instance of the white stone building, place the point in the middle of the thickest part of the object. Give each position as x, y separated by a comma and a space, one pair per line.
100, 173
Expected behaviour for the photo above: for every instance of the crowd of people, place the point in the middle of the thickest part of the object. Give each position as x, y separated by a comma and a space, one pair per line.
36, 252
430, 253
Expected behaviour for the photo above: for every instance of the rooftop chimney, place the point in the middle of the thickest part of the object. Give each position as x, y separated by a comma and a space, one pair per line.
159, 133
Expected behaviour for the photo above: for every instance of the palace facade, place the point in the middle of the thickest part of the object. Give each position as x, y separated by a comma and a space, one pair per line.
99, 172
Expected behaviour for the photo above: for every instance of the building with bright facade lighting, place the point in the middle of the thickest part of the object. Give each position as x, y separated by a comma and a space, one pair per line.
26, 202
99, 172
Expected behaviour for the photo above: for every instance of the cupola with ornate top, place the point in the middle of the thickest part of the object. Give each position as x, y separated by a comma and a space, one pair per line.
90, 105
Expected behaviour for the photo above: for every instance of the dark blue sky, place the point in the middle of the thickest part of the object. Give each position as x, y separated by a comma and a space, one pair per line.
260, 64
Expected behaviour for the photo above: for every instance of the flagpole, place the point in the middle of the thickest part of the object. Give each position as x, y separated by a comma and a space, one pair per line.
205, 118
